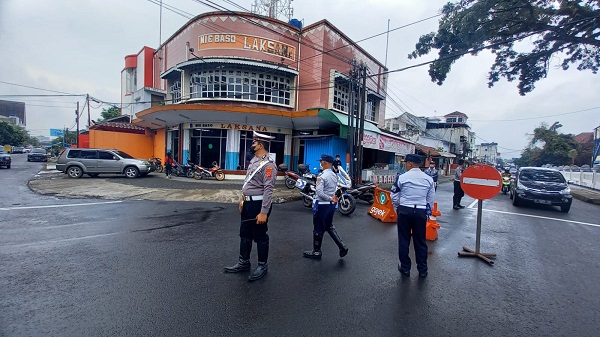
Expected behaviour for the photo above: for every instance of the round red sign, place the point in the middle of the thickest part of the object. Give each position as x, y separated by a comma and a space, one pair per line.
481, 181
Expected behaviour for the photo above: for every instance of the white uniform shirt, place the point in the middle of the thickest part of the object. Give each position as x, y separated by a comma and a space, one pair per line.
413, 188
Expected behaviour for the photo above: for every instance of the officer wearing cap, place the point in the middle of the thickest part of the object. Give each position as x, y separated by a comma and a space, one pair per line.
255, 208
324, 206
412, 196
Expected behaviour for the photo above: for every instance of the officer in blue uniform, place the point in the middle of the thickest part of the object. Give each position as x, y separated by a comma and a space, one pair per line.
412, 196
324, 206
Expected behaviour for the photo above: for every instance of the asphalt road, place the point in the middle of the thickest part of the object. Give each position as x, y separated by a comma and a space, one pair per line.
154, 268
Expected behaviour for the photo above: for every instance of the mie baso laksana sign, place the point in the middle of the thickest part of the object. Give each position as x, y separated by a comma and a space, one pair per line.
240, 127
247, 42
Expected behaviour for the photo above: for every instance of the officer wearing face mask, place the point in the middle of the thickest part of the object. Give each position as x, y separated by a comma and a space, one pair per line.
323, 210
255, 208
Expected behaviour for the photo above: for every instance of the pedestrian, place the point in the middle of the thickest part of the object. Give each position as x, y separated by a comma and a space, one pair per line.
324, 206
433, 173
412, 196
169, 163
255, 208
337, 163
458, 191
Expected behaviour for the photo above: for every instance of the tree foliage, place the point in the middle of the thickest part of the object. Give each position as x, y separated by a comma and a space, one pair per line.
566, 28
69, 138
111, 112
13, 135
557, 149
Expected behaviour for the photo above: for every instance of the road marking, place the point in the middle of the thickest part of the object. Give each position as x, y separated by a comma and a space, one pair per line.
61, 240
544, 217
57, 206
481, 182
472, 204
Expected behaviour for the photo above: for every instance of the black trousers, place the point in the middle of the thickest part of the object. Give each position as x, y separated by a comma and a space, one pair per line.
323, 218
168, 169
412, 219
250, 231
458, 193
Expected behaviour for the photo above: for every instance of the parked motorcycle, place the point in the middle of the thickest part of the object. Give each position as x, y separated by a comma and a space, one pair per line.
158, 167
181, 170
290, 176
307, 185
200, 172
364, 192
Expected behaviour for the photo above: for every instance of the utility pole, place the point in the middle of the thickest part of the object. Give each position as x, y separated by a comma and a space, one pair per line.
87, 99
77, 122
361, 127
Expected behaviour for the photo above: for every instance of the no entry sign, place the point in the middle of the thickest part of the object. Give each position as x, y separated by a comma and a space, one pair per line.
481, 181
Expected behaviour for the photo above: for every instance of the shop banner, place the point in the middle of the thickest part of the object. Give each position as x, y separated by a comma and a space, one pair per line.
370, 140
397, 146
240, 127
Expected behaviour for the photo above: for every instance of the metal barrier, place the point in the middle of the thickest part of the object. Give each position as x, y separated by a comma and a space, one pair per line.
584, 177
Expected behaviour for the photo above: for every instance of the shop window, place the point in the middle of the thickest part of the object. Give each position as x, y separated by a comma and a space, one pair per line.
276, 146
208, 146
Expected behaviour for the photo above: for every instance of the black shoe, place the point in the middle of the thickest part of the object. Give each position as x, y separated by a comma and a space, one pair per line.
314, 254
455, 207
243, 265
460, 206
343, 252
423, 275
403, 271
259, 272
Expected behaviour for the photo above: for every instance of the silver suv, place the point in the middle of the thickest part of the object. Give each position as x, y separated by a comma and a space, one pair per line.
77, 162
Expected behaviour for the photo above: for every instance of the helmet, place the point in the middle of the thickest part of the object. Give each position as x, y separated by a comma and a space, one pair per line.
507, 170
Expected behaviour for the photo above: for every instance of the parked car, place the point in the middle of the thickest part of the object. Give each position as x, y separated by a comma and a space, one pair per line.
37, 155
17, 149
77, 162
541, 186
5, 159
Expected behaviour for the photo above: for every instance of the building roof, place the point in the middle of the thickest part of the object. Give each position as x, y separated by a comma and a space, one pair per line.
455, 113
584, 137
118, 127
427, 150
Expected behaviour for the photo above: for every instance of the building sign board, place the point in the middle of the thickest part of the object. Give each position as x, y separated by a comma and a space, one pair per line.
396, 146
246, 42
240, 127
370, 140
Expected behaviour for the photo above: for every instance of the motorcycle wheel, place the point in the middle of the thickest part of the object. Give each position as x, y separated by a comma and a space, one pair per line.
290, 183
306, 202
197, 176
159, 169
220, 176
347, 204
368, 197
189, 174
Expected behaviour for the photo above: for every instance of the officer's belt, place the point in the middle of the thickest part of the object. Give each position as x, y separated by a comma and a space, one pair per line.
414, 206
252, 197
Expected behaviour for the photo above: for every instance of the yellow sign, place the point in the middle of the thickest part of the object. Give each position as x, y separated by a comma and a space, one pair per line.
247, 42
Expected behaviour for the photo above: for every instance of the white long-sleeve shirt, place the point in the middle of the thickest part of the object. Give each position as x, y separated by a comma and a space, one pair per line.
413, 188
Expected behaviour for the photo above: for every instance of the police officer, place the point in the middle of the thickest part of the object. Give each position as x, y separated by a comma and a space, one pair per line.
433, 173
324, 206
255, 208
458, 191
412, 196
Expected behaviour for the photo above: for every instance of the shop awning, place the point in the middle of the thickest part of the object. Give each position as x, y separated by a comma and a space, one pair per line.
427, 150
342, 120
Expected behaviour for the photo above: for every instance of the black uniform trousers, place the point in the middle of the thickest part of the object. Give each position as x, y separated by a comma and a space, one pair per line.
458, 193
415, 219
251, 231
323, 218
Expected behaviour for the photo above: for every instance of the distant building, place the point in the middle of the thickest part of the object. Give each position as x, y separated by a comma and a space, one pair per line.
13, 112
486, 153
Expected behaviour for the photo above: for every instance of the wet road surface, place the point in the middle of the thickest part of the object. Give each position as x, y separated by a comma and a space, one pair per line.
154, 268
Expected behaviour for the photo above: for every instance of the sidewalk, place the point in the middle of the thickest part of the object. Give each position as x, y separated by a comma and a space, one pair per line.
585, 194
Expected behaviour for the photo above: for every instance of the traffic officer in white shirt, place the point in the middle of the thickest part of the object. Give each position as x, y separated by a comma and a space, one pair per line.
412, 196
255, 208
325, 202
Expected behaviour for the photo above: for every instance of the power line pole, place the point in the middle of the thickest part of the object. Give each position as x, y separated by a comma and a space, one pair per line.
87, 99
77, 121
361, 127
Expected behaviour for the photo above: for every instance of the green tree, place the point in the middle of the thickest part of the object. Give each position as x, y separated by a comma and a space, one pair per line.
558, 148
567, 29
71, 138
109, 113
12, 135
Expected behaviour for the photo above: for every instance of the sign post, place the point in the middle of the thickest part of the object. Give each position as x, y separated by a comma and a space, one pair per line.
480, 182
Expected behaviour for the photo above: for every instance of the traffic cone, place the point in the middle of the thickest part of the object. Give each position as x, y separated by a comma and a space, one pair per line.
432, 226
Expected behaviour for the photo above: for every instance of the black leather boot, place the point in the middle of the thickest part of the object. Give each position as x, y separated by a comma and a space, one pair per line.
338, 241
242, 265
259, 272
316, 252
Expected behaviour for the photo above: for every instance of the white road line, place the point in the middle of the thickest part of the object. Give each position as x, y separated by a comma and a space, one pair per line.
61, 240
57, 206
472, 204
544, 217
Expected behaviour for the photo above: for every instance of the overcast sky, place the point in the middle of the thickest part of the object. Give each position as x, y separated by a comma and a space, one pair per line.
78, 47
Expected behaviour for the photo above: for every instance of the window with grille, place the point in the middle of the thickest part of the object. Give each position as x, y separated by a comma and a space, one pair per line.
240, 82
175, 91
341, 96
